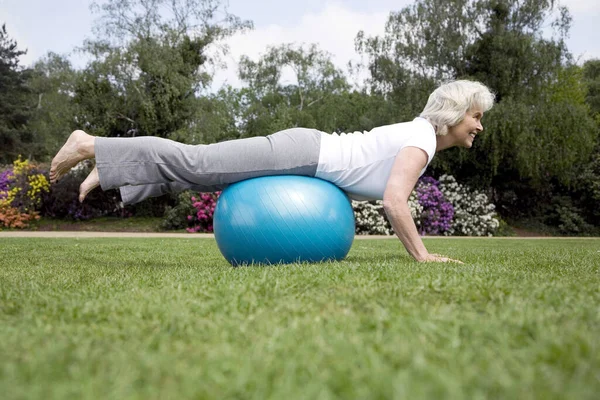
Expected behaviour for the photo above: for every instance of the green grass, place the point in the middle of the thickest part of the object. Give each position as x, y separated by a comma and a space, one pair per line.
170, 319
99, 224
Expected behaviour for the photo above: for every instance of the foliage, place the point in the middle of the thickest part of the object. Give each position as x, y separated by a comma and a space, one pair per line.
216, 119
443, 39
193, 212
52, 86
591, 78
62, 199
567, 217
175, 217
14, 105
289, 86
588, 188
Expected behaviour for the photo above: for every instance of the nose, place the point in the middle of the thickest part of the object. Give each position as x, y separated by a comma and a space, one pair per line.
479, 126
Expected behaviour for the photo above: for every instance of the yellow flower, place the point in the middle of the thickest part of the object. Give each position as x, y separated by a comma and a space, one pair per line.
37, 183
20, 166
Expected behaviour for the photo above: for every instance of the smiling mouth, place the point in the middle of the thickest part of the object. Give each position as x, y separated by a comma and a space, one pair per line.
472, 135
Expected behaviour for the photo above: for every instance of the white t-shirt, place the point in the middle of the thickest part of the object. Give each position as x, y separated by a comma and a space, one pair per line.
360, 163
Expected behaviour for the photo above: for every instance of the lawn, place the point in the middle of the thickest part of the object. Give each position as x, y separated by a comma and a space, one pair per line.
170, 319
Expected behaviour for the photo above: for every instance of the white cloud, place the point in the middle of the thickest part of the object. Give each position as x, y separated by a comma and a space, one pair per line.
333, 28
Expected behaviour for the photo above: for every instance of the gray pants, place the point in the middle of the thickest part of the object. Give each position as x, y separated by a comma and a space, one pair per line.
148, 166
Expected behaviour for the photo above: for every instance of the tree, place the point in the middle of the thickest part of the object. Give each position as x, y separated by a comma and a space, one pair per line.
591, 76
14, 101
299, 86
511, 55
52, 89
147, 69
272, 104
435, 38
499, 42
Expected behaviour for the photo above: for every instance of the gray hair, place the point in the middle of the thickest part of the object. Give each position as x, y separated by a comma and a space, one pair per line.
448, 103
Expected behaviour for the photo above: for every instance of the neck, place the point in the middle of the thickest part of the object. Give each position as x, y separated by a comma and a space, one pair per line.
443, 143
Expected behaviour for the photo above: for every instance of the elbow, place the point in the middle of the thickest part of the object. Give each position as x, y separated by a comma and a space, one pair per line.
392, 202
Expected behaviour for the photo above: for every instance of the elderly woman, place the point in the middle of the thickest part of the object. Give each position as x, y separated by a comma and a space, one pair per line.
383, 164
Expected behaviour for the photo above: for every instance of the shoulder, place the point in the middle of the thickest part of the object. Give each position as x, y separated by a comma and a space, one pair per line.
419, 127
422, 135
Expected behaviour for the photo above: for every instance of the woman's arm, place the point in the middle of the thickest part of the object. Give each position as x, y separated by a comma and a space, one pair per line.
403, 178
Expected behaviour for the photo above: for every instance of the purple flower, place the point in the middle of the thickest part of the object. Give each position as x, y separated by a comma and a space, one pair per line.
6, 178
438, 213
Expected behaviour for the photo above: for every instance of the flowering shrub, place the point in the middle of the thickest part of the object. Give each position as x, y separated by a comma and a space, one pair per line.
202, 219
441, 207
371, 219
474, 215
6, 177
193, 212
438, 212
11, 217
21, 190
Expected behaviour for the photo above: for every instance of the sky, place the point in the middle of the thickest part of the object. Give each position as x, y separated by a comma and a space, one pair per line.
61, 26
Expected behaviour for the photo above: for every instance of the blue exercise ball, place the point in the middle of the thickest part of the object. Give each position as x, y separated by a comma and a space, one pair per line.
283, 219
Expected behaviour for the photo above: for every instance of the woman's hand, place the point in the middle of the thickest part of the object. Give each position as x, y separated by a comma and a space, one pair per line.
440, 258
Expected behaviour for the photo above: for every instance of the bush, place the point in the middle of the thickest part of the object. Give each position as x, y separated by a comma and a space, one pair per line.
175, 217
474, 215
11, 217
567, 217
193, 212
441, 207
62, 201
371, 219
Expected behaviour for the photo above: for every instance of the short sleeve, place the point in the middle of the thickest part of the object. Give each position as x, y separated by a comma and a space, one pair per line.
422, 137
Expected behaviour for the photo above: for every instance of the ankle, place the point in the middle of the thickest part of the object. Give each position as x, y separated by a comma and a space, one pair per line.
86, 145
89, 148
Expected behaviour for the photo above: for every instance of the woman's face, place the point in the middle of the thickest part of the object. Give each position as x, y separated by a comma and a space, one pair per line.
464, 133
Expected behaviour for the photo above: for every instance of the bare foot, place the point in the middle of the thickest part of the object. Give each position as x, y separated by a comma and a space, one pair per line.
79, 147
91, 182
